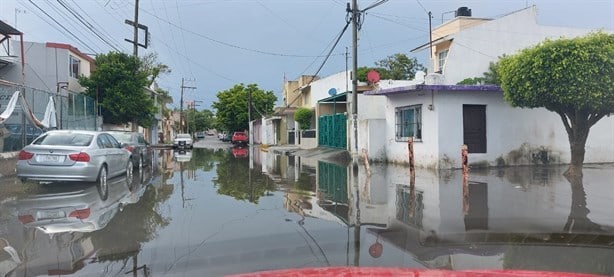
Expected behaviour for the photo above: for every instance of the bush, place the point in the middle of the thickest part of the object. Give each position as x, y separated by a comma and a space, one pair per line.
303, 117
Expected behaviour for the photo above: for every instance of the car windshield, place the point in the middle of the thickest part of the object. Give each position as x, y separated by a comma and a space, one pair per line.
183, 136
65, 139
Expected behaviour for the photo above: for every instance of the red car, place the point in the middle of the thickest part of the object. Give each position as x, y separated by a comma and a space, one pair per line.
239, 138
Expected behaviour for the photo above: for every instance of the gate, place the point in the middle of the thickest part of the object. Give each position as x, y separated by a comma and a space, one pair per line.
332, 131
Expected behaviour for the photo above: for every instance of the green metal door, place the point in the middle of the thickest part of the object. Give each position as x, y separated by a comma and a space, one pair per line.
332, 131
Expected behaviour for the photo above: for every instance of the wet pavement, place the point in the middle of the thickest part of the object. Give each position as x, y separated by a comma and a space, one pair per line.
222, 210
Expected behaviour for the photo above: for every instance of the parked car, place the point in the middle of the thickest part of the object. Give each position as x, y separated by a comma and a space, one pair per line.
221, 136
183, 141
200, 135
239, 138
13, 141
135, 142
64, 155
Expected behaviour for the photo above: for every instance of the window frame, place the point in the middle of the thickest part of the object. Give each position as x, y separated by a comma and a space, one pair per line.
72, 61
400, 127
442, 56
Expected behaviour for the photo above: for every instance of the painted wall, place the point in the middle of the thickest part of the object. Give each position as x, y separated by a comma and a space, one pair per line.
339, 81
514, 136
474, 48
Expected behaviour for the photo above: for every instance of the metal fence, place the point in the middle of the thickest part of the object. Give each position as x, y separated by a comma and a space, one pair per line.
73, 111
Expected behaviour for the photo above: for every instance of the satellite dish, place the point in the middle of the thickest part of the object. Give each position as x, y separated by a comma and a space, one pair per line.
332, 92
373, 77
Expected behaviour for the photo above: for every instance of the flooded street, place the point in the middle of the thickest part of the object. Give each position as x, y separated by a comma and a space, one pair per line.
209, 212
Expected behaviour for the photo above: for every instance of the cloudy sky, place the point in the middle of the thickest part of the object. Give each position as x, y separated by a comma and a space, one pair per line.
215, 44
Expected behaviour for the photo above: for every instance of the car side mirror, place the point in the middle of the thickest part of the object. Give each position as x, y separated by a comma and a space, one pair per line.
122, 145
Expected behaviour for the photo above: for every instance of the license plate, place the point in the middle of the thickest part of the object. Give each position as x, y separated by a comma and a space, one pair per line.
182, 143
51, 158
51, 214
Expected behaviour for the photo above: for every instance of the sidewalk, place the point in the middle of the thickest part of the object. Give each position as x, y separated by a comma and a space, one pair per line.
336, 155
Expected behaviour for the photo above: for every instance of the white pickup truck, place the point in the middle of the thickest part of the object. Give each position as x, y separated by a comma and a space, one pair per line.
183, 141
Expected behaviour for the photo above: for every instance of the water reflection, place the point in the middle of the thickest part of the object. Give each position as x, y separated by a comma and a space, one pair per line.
505, 218
236, 178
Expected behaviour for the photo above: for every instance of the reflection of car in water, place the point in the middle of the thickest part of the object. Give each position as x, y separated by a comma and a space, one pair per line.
72, 207
239, 152
182, 155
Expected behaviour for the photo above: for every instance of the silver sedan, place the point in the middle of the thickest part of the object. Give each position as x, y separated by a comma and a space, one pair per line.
64, 155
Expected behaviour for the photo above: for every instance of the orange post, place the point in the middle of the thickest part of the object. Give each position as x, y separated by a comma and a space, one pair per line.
410, 147
465, 159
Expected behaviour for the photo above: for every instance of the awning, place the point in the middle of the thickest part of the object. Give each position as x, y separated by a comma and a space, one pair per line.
342, 97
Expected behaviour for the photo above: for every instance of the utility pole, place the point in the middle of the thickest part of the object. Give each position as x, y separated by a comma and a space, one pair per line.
181, 122
135, 48
355, 15
249, 116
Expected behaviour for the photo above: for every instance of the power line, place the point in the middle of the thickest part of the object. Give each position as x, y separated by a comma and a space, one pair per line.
107, 34
422, 6
70, 24
87, 25
375, 4
60, 24
233, 45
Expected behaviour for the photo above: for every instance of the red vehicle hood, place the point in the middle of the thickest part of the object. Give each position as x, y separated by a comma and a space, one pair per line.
384, 271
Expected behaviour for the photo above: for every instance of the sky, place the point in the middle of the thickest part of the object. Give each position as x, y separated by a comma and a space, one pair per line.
215, 44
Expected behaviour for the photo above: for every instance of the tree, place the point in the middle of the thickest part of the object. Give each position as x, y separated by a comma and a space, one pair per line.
231, 106
200, 120
153, 68
571, 77
396, 67
118, 84
303, 117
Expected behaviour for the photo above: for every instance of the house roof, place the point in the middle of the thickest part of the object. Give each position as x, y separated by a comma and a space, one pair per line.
428, 44
71, 49
415, 88
341, 97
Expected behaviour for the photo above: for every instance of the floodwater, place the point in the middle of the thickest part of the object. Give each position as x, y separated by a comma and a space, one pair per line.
210, 212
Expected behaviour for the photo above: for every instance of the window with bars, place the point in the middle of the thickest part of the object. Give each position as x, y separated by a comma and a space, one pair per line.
75, 63
409, 122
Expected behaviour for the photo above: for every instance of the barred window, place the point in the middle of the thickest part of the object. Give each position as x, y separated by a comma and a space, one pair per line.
408, 122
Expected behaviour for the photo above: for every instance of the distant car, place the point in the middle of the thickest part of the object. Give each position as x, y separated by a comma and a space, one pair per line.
210, 133
13, 141
200, 135
64, 155
183, 141
135, 142
221, 136
239, 138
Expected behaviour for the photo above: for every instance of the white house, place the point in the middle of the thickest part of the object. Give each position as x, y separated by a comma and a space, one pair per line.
441, 116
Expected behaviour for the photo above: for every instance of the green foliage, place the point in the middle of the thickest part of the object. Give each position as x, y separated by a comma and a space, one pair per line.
572, 77
199, 120
153, 68
395, 67
491, 77
471, 81
231, 106
303, 117
118, 83
562, 75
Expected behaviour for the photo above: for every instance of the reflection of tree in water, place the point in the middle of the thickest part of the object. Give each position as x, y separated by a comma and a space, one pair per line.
233, 179
138, 223
204, 159
306, 182
582, 239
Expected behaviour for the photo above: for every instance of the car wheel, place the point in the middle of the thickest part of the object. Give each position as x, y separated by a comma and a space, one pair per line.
140, 164
129, 169
101, 183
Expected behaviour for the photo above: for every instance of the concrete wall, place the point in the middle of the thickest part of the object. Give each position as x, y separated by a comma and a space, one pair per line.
45, 66
339, 81
426, 150
514, 136
474, 48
